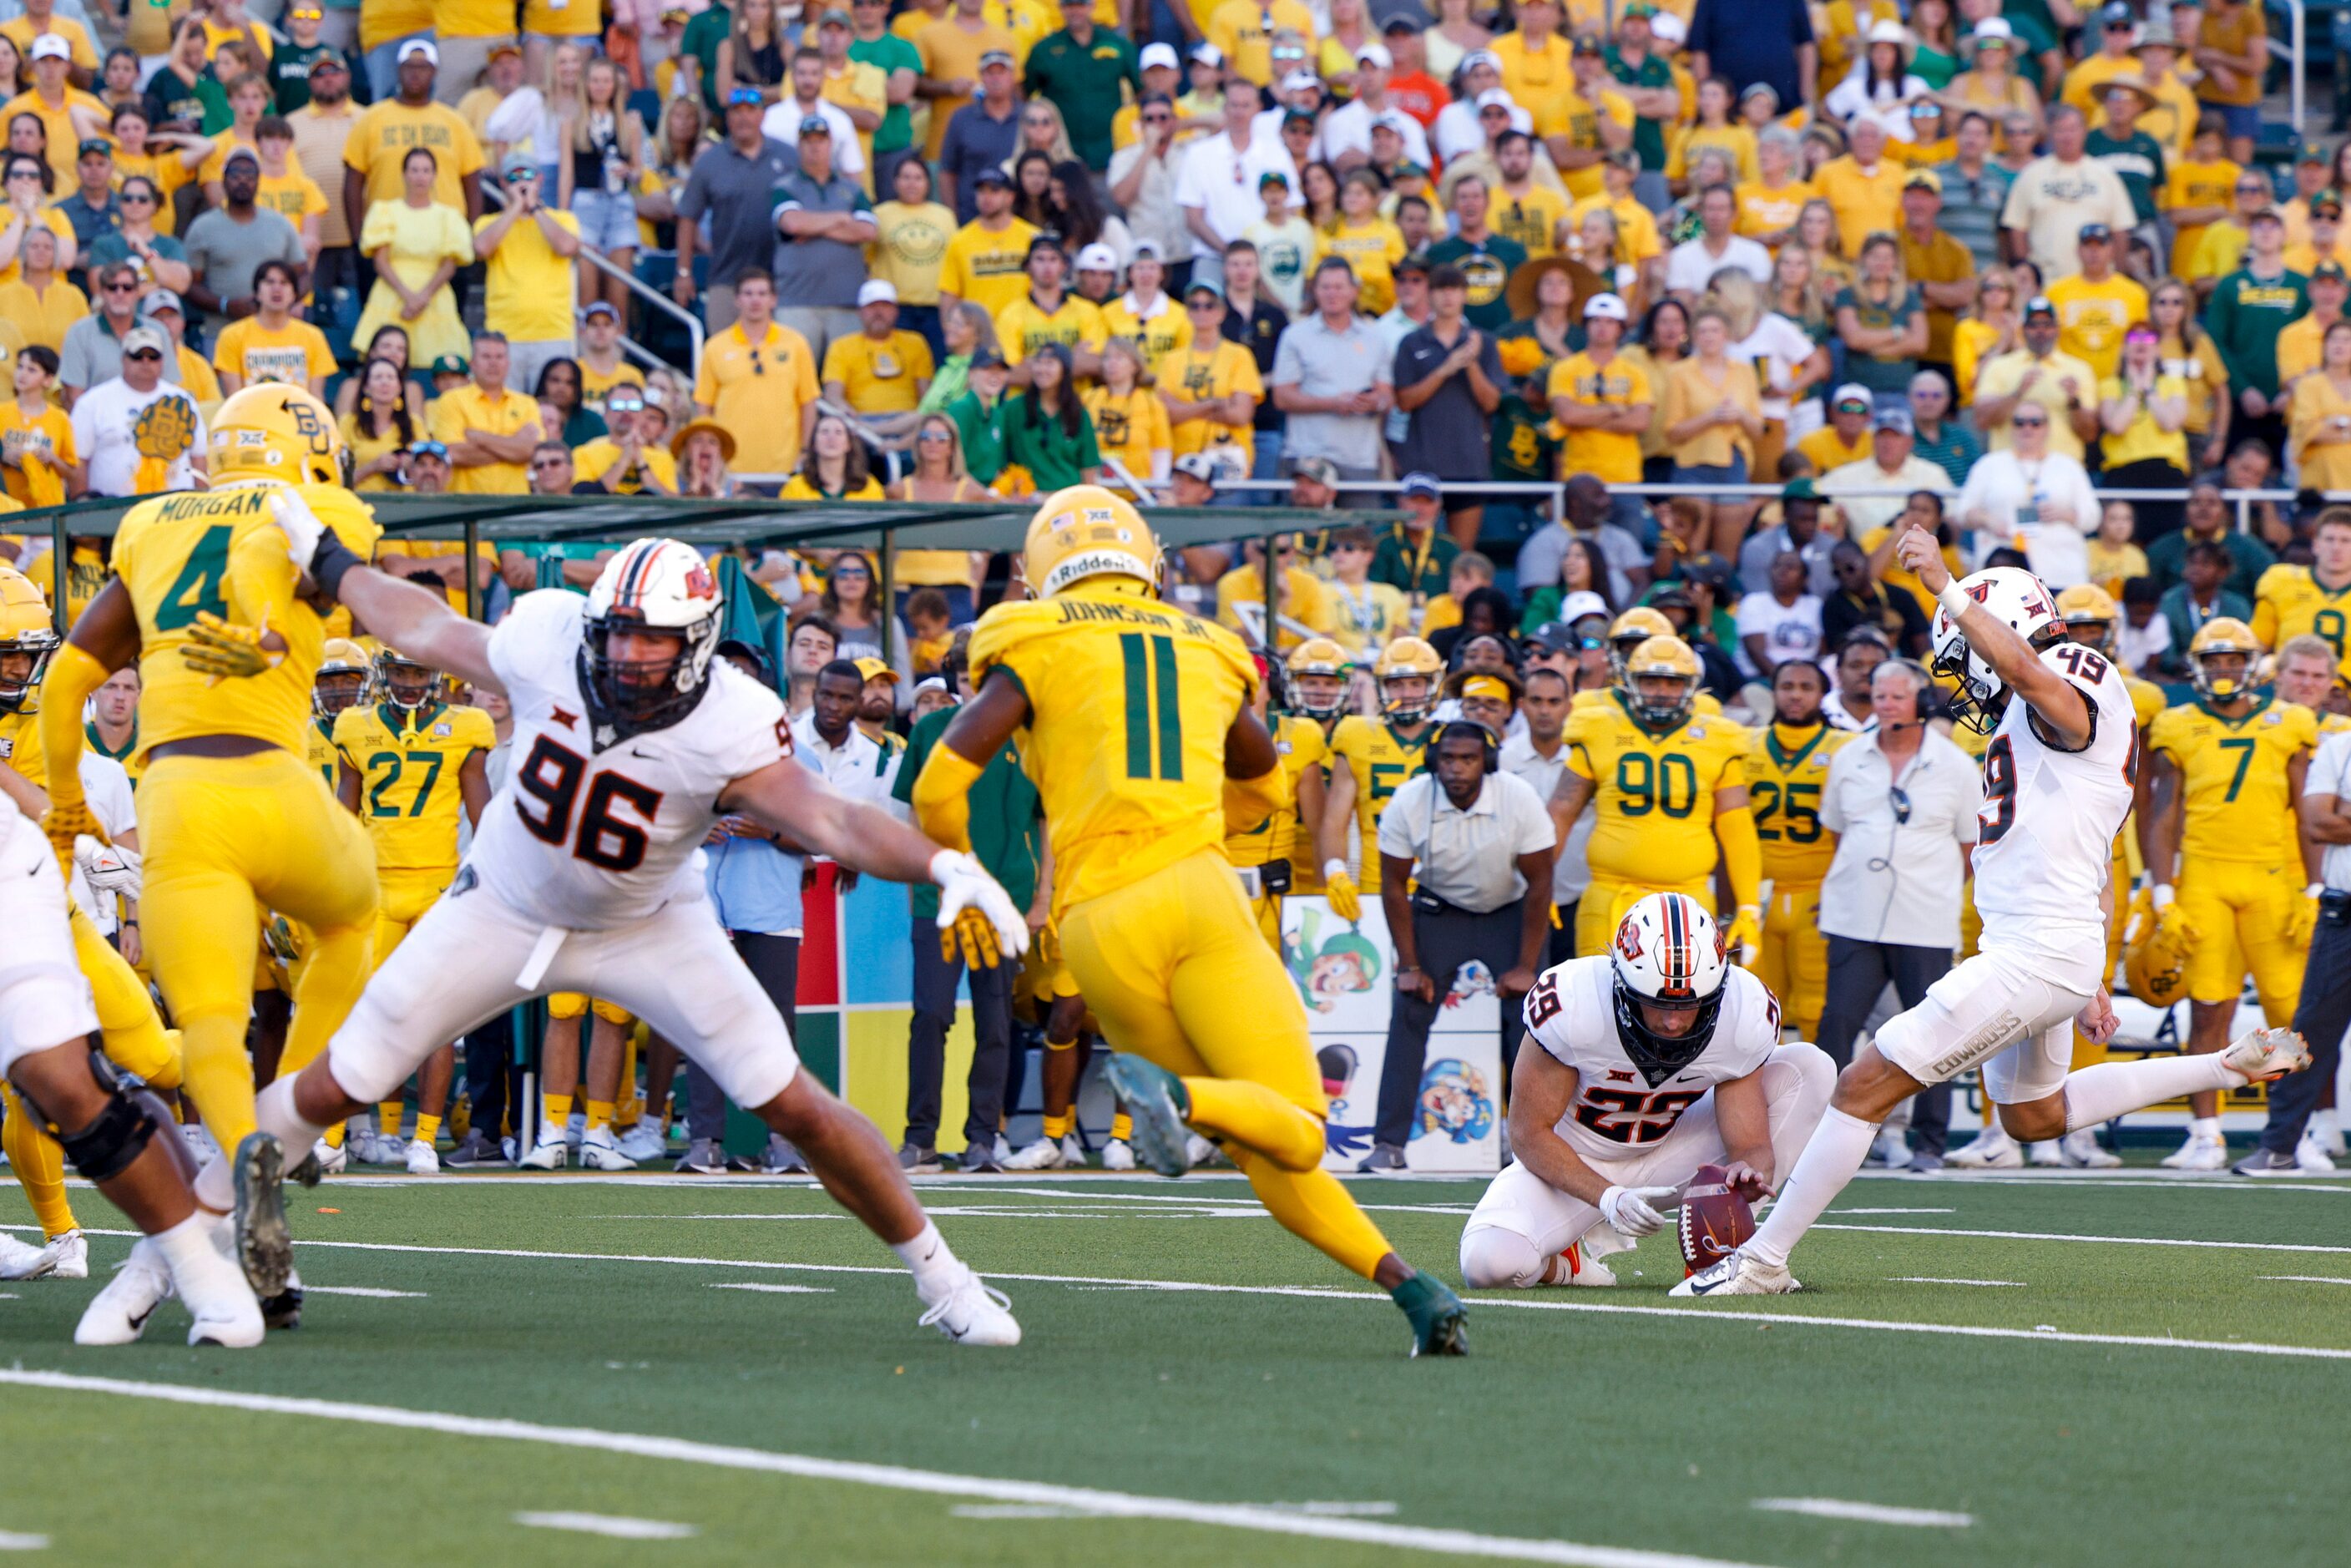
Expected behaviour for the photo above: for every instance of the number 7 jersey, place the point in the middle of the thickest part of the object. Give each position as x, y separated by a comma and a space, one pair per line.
592, 831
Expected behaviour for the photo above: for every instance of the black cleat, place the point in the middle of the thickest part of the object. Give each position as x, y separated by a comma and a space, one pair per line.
284, 1310
264, 1248
1155, 1097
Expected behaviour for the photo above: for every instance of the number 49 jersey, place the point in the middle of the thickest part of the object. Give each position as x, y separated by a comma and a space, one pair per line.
1619, 1111
588, 836
2048, 824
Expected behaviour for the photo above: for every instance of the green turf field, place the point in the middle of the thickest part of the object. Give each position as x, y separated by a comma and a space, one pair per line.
735, 1358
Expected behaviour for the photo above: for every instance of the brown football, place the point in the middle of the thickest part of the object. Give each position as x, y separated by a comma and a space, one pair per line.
1714, 1219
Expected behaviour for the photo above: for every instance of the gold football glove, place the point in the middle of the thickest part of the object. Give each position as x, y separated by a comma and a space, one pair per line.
1346, 903
974, 935
227, 650
2302, 920
1746, 933
63, 823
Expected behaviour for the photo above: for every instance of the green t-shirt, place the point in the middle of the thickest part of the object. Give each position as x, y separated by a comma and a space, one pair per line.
1054, 458
1882, 374
289, 75
982, 430
1083, 81
1648, 135
1488, 266
1414, 569
704, 31
1004, 817
2137, 160
2246, 315
886, 54
1524, 446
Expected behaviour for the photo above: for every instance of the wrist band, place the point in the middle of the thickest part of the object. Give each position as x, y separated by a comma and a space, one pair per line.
1331, 868
2163, 895
330, 562
1953, 599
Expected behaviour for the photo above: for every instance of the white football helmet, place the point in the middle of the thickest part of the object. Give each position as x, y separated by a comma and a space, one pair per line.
658, 586
1669, 954
2013, 596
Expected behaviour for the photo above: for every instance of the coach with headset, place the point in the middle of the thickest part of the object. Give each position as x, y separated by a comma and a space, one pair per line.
1902, 801
1475, 839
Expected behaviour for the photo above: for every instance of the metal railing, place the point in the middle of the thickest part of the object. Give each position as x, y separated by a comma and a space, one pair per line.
2243, 501
1551, 490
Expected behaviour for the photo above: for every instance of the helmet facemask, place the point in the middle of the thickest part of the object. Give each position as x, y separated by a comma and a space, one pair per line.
1659, 1056
393, 673
629, 698
32, 649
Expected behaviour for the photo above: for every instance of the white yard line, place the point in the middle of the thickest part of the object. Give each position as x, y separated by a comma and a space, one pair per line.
767, 1290
363, 1291
896, 1478
1934, 1279
613, 1525
2067, 1236
16, 1541
1865, 1513
2310, 1279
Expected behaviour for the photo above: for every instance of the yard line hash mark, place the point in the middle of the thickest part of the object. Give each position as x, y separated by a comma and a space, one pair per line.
1865, 1513
1936, 1280
613, 1525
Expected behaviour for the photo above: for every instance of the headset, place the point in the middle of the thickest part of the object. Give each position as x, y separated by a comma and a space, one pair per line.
1490, 748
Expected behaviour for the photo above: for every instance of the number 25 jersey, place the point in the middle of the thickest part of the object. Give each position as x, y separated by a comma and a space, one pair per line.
1129, 701
1619, 1111
2049, 820
595, 831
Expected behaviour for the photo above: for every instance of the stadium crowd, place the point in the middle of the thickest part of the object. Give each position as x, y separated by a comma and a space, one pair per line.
1810, 272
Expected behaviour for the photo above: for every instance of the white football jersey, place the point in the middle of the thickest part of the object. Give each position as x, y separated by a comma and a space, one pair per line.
589, 837
2048, 824
1617, 1113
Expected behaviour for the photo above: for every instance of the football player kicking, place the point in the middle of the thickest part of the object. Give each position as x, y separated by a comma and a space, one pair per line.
1657, 1058
629, 742
2058, 778
1144, 745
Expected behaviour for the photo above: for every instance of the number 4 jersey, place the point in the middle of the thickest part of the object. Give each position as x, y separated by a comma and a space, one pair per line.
2049, 820
588, 836
1619, 1109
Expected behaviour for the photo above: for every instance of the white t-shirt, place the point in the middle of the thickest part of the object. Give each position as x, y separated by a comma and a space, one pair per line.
116, 429
1778, 347
1788, 631
1689, 266
1348, 129
1459, 130
1467, 858
782, 124
2000, 501
1206, 182
2329, 767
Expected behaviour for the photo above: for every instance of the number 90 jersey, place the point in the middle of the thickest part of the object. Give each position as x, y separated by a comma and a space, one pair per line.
2049, 820
589, 837
1618, 1111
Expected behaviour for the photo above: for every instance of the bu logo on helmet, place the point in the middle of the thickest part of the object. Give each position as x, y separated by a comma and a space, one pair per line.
307, 425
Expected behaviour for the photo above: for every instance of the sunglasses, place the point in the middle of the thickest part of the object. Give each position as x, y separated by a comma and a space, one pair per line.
142, 354
128, 196
549, 462
130, 288
2025, 423
938, 435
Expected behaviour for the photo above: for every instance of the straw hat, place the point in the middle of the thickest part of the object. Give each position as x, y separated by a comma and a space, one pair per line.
687, 431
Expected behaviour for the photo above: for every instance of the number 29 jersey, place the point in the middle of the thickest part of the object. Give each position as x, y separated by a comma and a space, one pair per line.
591, 832
1618, 1111
2049, 820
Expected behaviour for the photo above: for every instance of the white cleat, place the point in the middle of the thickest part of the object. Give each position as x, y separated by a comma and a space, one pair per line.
2201, 1152
1738, 1275
599, 1151
1576, 1266
333, 1158
549, 1152
2309, 1154
422, 1158
2045, 1153
1991, 1150
1074, 1152
200, 1143
1118, 1155
220, 1302
23, 1260
2328, 1130
1891, 1150
71, 1255
644, 1141
1044, 1155
2082, 1151
2266, 1054
118, 1314
972, 1312
1198, 1150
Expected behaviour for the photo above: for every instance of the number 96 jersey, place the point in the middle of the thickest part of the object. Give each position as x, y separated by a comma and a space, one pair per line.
1619, 1109
591, 832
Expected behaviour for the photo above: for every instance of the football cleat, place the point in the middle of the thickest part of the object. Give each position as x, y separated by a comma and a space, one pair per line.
221, 1301
264, 1247
1073, 1151
2082, 1151
2266, 1054
2201, 1152
422, 1158
1574, 1267
22, 1260
2264, 1162
599, 1151
2309, 1154
972, 1312
1200, 1151
333, 1158
284, 1310
1440, 1323
2328, 1129
1991, 1150
2045, 1153
1044, 1155
1118, 1155
200, 1143
644, 1141
1155, 1098
70, 1253
118, 1314
1739, 1275
549, 1152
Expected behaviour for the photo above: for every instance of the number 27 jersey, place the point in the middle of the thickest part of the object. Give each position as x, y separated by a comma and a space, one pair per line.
2048, 824
587, 837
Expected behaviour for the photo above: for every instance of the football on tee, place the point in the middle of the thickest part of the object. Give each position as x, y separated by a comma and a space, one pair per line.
1714, 1219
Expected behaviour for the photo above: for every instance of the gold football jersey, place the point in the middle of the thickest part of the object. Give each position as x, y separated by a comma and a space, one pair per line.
1298, 742
1785, 770
1655, 793
408, 768
1381, 759
2288, 601
2233, 776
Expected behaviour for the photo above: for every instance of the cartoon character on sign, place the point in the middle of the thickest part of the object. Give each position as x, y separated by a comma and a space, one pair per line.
1348, 964
1340, 1136
1454, 1101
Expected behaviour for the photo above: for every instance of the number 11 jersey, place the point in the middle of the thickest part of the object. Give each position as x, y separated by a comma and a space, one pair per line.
596, 830
2049, 820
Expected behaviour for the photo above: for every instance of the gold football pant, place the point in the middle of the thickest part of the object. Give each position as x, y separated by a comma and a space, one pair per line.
2239, 911
1793, 960
225, 836
1178, 972
1603, 907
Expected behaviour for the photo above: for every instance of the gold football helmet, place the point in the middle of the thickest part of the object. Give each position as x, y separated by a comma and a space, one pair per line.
343, 678
2155, 956
2090, 616
1085, 531
1317, 669
1632, 629
274, 430
2222, 637
1659, 660
1408, 659
27, 638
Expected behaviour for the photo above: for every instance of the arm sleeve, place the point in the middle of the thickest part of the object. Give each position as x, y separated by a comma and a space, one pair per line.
261, 579
1743, 855
73, 675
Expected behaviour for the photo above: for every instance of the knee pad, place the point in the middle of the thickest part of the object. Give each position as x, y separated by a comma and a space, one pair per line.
1495, 1258
106, 1145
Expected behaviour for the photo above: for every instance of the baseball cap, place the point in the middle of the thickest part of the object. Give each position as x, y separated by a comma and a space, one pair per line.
1200, 466
519, 166
1322, 470
328, 60
242, 155
157, 301
1799, 490
1607, 307
1156, 56
873, 669
154, 340
408, 51
1207, 53
996, 57
1924, 180
1708, 568
1668, 28
601, 307
2310, 152
1887, 30
816, 125
1891, 418
989, 358
1374, 53
1992, 30
1301, 82
2117, 15
1494, 96
927, 684
736, 648
428, 448
2329, 272
504, 47
451, 365
95, 145
1142, 248
1420, 484
990, 174
2039, 305
2266, 216
1852, 394
1095, 258
1581, 604
1401, 22
833, 16
51, 47
1200, 284
1476, 57
2094, 232
1048, 240
876, 291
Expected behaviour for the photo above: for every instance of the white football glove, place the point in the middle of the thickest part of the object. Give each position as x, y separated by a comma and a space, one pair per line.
300, 525
1634, 1210
109, 868
965, 886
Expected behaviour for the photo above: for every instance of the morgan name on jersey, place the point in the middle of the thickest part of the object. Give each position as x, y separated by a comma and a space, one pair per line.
1619, 1109
590, 832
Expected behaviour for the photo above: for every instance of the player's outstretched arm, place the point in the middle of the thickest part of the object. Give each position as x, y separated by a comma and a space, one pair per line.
2063, 712
977, 733
419, 624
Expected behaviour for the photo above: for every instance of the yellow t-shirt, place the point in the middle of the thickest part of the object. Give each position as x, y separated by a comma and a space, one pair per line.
1244, 29
1198, 375
2145, 438
2091, 317
531, 289
2220, 252
1828, 451
1532, 217
948, 54
2289, 602
292, 195
21, 30
1131, 429
297, 353
409, 765
1126, 729
986, 267
2233, 776
57, 224
1689, 392
486, 554
2186, 185
1299, 743
467, 407
595, 385
1364, 620
387, 130
1535, 74
1656, 792
799, 488
2002, 378
42, 318
2231, 29
2315, 402
1576, 117
1373, 248
909, 246
602, 455
880, 378
1167, 333
1736, 140
758, 393
1864, 202
1610, 455
1785, 770
58, 121
1024, 327
37, 454
1765, 211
